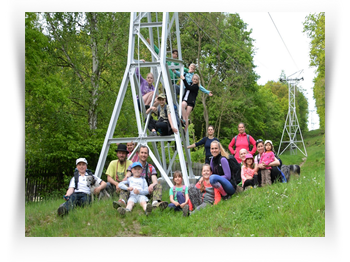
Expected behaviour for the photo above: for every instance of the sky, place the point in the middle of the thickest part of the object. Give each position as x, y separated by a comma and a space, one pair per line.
285, 48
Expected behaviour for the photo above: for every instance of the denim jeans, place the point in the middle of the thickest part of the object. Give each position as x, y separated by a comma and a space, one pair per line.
77, 199
181, 199
224, 183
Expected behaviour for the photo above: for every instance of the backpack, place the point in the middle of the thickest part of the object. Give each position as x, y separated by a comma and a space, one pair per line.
183, 190
148, 179
166, 113
247, 139
76, 176
235, 168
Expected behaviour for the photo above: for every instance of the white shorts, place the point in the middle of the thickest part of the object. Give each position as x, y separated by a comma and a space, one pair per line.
137, 198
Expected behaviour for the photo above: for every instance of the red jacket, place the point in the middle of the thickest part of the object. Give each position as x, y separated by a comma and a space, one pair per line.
242, 142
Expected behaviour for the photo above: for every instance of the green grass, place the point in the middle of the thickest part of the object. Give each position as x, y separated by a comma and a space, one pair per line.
295, 209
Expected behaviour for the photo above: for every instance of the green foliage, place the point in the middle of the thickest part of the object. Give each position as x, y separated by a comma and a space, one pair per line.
314, 26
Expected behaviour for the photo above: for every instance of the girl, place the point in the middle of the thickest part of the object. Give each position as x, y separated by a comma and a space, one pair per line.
130, 147
179, 194
206, 141
203, 193
267, 157
248, 173
189, 98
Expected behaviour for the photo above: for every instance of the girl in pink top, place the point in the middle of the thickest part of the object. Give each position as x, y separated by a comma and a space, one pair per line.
248, 173
267, 157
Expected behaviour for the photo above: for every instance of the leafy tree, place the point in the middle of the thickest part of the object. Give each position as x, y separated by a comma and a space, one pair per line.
314, 26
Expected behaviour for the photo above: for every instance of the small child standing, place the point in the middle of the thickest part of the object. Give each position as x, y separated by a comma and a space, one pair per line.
248, 173
203, 193
179, 194
267, 157
138, 188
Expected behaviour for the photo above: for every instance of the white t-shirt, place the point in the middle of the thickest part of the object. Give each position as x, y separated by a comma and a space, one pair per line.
82, 186
135, 182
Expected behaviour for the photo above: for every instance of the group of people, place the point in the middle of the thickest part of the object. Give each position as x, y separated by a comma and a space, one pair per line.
135, 180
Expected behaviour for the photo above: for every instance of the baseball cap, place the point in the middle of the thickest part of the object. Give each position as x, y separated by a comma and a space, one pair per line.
136, 164
81, 160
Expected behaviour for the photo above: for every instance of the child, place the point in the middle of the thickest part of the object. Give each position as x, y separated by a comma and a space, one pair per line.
189, 98
179, 194
138, 190
130, 147
203, 193
248, 173
267, 157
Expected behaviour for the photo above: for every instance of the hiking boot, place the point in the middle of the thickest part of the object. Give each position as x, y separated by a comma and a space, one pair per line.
121, 211
186, 211
148, 209
62, 210
119, 203
239, 189
162, 205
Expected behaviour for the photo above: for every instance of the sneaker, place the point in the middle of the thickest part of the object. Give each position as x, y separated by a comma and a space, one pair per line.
121, 211
239, 189
186, 211
119, 203
154, 133
148, 209
62, 210
227, 197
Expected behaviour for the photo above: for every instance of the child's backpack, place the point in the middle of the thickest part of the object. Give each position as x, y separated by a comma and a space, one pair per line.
166, 113
183, 190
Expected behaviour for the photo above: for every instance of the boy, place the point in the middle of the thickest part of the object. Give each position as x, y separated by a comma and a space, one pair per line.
138, 188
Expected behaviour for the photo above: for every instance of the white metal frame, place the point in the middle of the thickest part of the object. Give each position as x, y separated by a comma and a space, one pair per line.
160, 69
291, 126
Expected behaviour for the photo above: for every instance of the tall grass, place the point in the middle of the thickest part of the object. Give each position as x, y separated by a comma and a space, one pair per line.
294, 209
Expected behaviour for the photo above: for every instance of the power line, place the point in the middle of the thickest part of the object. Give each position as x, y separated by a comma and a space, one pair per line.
283, 41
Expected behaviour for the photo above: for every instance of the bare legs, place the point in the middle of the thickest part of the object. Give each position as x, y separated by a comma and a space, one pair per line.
147, 99
186, 110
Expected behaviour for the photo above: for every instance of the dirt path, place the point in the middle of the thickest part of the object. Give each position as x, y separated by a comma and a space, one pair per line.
304, 160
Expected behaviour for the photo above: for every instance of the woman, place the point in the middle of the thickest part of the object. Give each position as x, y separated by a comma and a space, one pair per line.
242, 140
206, 141
275, 174
147, 88
221, 170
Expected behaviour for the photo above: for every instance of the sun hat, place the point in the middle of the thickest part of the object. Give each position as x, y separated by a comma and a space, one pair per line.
135, 164
81, 160
268, 141
122, 148
248, 156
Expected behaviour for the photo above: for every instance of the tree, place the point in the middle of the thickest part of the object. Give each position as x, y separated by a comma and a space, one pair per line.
314, 26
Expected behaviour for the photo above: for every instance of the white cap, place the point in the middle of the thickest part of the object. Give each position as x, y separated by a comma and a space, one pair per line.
81, 160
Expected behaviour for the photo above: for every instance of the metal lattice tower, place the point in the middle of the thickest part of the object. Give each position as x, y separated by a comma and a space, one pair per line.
291, 126
139, 21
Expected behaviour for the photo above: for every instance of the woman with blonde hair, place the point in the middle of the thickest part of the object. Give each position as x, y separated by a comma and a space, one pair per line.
221, 178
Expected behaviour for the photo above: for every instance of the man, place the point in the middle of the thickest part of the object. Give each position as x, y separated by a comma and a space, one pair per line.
164, 124
150, 174
116, 171
78, 193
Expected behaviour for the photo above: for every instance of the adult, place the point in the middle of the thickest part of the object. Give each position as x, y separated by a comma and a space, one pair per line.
275, 173
242, 140
117, 169
206, 141
150, 174
146, 87
220, 179
189, 75
78, 193
164, 124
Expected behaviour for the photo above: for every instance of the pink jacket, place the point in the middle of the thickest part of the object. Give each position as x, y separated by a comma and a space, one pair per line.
246, 173
242, 142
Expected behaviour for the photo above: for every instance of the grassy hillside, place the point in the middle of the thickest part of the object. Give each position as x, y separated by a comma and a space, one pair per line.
294, 209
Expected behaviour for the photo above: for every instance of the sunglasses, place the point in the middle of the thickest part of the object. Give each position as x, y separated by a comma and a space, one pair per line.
259, 140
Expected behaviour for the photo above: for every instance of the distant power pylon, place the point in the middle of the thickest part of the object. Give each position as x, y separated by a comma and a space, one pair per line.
291, 126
